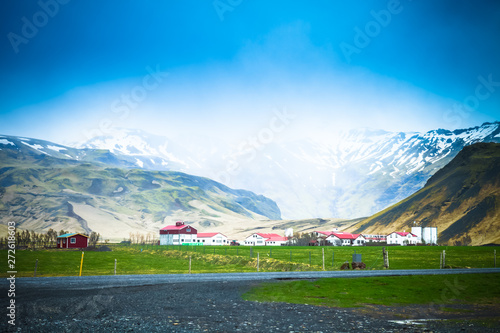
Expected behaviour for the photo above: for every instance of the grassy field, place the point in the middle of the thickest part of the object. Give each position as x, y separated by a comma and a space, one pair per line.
435, 290
147, 259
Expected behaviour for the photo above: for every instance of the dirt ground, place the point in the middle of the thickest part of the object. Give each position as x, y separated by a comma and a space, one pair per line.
218, 307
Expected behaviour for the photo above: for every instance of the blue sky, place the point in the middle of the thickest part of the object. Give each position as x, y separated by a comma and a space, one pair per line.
72, 69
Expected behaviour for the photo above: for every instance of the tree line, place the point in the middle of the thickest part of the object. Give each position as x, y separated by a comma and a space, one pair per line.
33, 240
138, 238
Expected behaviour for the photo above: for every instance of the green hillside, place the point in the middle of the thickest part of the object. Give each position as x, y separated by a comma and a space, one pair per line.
462, 200
39, 192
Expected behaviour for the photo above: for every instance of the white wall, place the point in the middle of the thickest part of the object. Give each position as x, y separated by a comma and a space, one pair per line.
170, 239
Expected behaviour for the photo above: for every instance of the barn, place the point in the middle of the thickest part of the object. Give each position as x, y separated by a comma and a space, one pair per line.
212, 238
72, 241
178, 234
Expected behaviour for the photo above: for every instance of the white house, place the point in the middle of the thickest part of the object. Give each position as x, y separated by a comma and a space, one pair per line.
212, 238
345, 239
178, 234
402, 238
261, 239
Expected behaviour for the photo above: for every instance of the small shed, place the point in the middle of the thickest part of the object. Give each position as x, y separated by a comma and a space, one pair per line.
72, 241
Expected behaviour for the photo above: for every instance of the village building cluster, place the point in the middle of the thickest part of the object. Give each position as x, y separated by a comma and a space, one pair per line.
182, 234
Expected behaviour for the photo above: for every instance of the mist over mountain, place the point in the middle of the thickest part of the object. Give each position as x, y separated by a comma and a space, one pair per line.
357, 174
45, 185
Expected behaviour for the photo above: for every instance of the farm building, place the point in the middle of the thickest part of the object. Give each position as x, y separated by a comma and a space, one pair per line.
375, 238
346, 239
341, 238
426, 235
178, 234
402, 238
261, 239
72, 241
212, 238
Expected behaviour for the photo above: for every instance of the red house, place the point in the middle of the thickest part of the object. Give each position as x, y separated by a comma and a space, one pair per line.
71, 241
178, 234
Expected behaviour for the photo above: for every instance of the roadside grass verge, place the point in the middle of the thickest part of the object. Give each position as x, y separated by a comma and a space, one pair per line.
400, 257
432, 290
149, 259
131, 260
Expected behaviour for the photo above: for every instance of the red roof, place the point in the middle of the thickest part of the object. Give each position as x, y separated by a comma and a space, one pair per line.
273, 237
208, 234
404, 234
277, 239
345, 235
177, 226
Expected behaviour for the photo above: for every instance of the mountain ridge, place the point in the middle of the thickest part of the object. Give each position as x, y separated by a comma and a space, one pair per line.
462, 199
360, 173
38, 192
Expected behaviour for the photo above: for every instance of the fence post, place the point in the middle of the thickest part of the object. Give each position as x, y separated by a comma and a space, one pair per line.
385, 255
258, 259
323, 249
441, 260
189, 264
444, 258
115, 266
81, 265
36, 266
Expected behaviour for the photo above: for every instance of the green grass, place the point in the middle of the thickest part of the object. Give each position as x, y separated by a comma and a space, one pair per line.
435, 290
175, 259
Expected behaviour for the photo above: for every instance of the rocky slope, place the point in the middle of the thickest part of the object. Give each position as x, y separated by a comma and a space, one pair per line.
462, 200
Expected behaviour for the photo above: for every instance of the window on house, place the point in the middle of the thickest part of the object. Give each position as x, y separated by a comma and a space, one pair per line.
73, 240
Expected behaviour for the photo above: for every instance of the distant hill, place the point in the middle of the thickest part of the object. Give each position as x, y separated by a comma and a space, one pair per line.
462, 200
355, 174
45, 185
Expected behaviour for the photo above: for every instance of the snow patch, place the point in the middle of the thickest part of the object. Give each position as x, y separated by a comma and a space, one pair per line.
36, 146
6, 142
139, 162
56, 148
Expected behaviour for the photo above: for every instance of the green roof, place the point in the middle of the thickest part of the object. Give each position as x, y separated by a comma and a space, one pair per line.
69, 235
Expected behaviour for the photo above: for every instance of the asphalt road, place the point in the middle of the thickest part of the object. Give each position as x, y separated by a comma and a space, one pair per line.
108, 281
214, 303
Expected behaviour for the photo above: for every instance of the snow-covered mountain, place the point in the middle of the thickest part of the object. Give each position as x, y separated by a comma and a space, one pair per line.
360, 173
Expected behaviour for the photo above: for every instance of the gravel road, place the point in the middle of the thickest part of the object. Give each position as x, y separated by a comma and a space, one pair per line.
212, 306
